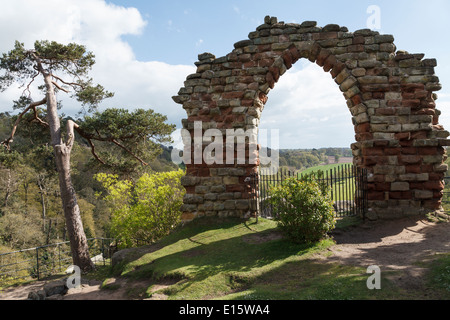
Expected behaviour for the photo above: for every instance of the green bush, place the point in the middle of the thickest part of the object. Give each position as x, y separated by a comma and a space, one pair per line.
303, 209
146, 210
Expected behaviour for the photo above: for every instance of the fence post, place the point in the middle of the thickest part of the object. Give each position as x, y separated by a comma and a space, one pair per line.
37, 262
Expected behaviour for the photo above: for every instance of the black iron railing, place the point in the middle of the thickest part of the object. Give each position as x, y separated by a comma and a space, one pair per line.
44, 261
347, 186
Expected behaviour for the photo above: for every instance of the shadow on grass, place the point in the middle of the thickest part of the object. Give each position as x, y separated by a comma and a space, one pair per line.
234, 251
239, 260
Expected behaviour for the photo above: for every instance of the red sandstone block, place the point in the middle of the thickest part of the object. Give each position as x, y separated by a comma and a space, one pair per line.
379, 178
410, 159
413, 169
385, 111
373, 152
381, 143
356, 48
204, 111
363, 136
270, 80
360, 128
403, 136
412, 103
235, 188
392, 151
429, 151
376, 196
378, 95
411, 87
323, 55
233, 95
359, 40
419, 135
275, 73
245, 57
403, 195
263, 97
434, 185
314, 52
357, 99
265, 62
325, 35
247, 103
382, 186
406, 143
264, 47
436, 176
409, 151
438, 195
370, 161
287, 58
416, 185
294, 53
408, 95
250, 64
393, 103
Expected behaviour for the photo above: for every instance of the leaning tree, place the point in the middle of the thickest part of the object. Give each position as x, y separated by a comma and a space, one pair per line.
64, 69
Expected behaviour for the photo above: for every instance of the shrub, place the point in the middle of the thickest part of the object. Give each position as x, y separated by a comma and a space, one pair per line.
303, 209
144, 211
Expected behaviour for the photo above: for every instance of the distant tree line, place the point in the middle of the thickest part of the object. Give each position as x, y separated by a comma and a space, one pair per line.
299, 159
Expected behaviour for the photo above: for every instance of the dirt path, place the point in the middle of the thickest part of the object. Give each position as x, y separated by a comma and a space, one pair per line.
391, 245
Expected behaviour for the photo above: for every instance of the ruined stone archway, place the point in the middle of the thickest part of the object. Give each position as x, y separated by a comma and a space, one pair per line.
389, 94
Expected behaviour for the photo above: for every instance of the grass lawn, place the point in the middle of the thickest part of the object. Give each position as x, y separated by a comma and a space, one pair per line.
248, 261
341, 189
324, 168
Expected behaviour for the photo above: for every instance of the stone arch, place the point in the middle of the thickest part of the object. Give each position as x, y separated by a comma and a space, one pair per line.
389, 93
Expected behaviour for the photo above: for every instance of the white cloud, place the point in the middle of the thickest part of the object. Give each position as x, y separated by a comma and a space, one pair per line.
99, 26
199, 42
301, 109
308, 108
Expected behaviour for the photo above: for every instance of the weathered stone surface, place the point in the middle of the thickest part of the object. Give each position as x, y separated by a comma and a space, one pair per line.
390, 96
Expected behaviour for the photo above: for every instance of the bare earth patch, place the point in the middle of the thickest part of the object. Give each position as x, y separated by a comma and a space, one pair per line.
396, 245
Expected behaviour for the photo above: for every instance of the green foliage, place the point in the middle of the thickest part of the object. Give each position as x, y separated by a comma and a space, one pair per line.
136, 135
73, 60
144, 211
303, 209
21, 231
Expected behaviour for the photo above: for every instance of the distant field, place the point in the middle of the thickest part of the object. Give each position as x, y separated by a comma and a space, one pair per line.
341, 185
327, 167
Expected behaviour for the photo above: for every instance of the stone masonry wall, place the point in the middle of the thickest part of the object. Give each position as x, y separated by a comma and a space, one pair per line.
389, 93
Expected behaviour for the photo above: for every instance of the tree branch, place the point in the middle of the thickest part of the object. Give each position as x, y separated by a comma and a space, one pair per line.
129, 151
65, 82
42, 122
59, 87
90, 137
33, 106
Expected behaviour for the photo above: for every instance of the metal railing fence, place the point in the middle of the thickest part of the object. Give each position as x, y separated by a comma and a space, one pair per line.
347, 186
44, 261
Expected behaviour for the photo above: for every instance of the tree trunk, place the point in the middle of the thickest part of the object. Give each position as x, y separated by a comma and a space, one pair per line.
77, 237
44, 209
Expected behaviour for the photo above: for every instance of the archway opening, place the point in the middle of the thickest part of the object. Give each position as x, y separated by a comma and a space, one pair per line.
307, 127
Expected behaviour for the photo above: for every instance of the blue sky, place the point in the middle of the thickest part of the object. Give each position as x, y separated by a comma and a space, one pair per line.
145, 49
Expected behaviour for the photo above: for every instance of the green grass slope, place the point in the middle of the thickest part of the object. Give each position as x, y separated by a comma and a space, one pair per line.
232, 259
